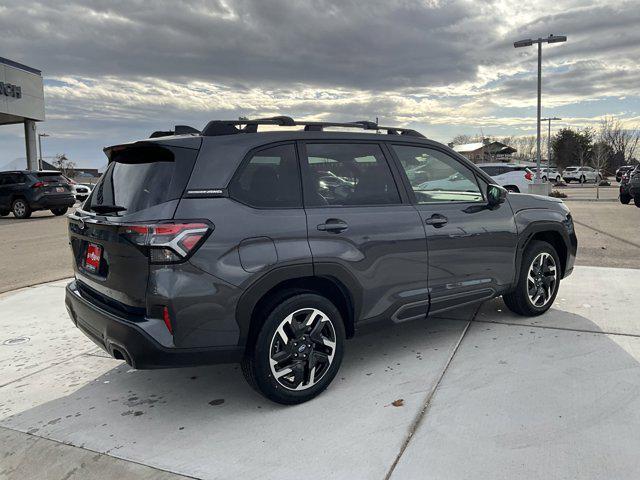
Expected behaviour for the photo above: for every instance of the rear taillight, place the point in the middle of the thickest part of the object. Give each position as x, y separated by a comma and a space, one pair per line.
167, 242
167, 319
38, 185
528, 176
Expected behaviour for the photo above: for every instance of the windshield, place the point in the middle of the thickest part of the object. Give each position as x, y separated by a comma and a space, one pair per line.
142, 177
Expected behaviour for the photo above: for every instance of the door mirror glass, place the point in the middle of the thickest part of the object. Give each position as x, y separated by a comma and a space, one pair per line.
496, 195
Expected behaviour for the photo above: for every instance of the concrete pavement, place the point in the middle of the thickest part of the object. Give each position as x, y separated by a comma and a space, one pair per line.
486, 395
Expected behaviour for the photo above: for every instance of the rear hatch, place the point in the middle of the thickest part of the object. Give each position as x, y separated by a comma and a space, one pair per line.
52, 184
109, 236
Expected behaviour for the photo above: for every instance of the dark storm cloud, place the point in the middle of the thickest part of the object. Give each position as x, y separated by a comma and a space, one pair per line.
371, 45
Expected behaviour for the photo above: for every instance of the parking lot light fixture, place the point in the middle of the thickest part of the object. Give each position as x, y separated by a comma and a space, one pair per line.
550, 119
527, 43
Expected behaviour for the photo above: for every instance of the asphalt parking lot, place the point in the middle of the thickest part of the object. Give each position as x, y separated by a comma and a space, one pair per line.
481, 394
36, 250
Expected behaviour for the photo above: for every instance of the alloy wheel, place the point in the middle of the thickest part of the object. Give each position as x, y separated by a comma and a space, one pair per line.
542, 279
302, 349
19, 208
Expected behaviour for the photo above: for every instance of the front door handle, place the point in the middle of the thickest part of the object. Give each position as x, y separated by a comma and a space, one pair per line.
437, 220
334, 225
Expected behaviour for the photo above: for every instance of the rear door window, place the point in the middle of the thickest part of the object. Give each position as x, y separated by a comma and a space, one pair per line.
141, 177
269, 179
343, 174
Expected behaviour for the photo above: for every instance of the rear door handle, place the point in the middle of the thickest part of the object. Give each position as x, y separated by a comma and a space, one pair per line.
334, 225
437, 220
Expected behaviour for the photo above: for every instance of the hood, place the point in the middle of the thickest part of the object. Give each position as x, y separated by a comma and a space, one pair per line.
525, 201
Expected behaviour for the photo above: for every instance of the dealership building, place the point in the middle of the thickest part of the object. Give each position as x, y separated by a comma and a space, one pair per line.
22, 101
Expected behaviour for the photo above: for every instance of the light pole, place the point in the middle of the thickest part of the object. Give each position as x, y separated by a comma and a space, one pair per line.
527, 43
40, 135
550, 119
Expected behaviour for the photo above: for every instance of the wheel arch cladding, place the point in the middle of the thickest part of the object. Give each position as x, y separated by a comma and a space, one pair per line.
258, 301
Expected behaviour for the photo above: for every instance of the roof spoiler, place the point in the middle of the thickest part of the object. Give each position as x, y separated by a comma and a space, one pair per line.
177, 130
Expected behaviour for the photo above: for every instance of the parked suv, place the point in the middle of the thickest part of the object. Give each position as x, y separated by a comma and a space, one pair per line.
581, 174
634, 185
625, 185
624, 169
23, 192
515, 178
232, 245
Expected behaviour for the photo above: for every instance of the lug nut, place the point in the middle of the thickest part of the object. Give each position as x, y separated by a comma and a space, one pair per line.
295, 354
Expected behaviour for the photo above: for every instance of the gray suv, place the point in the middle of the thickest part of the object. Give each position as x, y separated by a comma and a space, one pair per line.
272, 248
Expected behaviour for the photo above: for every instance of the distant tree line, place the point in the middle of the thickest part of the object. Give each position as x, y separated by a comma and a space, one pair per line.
606, 148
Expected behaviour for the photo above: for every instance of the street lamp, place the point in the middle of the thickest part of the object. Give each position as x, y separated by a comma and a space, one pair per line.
527, 43
550, 119
40, 135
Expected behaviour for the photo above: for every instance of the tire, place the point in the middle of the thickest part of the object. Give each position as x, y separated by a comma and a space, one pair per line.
544, 179
512, 188
4, 213
625, 198
324, 338
520, 300
598, 179
582, 179
59, 211
636, 201
558, 179
20, 208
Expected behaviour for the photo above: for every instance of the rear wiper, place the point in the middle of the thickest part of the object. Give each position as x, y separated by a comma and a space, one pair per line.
107, 208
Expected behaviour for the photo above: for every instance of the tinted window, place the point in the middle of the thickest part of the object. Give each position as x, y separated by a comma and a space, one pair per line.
140, 178
491, 171
348, 174
448, 179
51, 177
13, 178
269, 179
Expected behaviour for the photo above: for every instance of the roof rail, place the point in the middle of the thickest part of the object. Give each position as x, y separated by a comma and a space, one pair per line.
229, 127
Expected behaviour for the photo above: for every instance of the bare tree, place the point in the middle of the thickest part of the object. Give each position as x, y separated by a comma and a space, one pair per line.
525, 146
461, 139
622, 141
66, 166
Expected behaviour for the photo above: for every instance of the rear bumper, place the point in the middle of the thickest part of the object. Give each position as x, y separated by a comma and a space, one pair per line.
128, 340
45, 202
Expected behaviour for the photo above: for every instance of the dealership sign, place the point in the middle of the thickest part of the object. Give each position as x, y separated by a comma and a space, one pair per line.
9, 90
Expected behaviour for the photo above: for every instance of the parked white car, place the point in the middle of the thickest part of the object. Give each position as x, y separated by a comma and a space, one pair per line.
581, 174
515, 178
550, 174
80, 191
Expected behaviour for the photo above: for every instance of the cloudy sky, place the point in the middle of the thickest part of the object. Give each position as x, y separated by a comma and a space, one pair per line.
115, 71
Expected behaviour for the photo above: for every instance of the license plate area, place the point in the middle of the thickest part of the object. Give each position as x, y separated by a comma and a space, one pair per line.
93, 257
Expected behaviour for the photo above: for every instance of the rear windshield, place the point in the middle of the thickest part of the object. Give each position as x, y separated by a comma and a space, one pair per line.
51, 177
138, 178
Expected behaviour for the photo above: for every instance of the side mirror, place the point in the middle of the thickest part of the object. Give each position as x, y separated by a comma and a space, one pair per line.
496, 195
